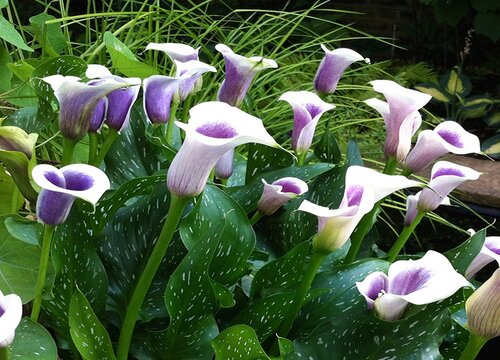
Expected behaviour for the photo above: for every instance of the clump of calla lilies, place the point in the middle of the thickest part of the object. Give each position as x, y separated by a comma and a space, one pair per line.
97, 107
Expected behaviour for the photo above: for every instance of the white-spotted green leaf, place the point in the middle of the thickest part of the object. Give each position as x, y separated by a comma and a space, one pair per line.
462, 256
265, 158
238, 342
32, 341
328, 149
23, 229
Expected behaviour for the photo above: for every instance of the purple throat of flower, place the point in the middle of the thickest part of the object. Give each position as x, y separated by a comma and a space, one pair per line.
2, 311
288, 187
448, 172
451, 138
72, 181
217, 130
407, 282
354, 195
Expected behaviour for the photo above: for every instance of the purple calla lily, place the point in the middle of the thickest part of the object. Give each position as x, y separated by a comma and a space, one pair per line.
195, 69
60, 187
279, 192
11, 312
400, 114
213, 129
429, 279
307, 110
176, 51
412, 210
449, 136
332, 67
489, 252
159, 94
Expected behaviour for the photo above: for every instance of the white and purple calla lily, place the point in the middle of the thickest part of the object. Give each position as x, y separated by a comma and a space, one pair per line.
176, 51
412, 210
400, 114
78, 101
11, 312
60, 187
159, 94
213, 129
424, 281
363, 188
333, 66
99, 114
307, 110
279, 192
447, 137
489, 252
445, 177
119, 101
240, 72
195, 69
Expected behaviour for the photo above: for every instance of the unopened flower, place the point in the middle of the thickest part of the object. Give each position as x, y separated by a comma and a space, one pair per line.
489, 252
176, 51
240, 71
483, 308
13, 138
307, 110
445, 177
400, 114
213, 129
363, 188
60, 187
412, 210
449, 136
279, 192
424, 281
333, 66
11, 312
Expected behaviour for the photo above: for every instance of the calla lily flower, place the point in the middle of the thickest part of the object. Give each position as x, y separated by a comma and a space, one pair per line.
307, 110
213, 129
119, 101
240, 71
159, 94
175, 51
411, 207
60, 187
424, 281
333, 66
13, 138
99, 115
483, 308
363, 188
400, 114
77, 102
489, 252
279, 192
449, 136
11, 312
445, 177
195, 69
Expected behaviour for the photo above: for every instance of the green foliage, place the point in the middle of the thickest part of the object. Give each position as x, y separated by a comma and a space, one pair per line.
32, 338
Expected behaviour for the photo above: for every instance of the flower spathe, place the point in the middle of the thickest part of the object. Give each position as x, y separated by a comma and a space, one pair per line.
488, 253
240, 71
77, 102
411, 207
363, 188
159, 94
11, 312
333, 66
483, 308
213, 129
400, 114
424, 281
449, 136
60, 187
195, 69
445, 177
307, 110
176, 51
279, 192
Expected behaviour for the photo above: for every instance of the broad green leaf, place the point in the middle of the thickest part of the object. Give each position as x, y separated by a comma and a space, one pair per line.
22, 69
450, 12
455, 83
435, 91
124, 60
475, 107
488, 24
26, 119
88, 334
10, 198
10, 34
23, 229
328, 149
32, 338
491, 146
461, 256
265, 158
238, 342
4, 3
5, 71
18, 265
493, 119
49, 36
18, 166
484, 5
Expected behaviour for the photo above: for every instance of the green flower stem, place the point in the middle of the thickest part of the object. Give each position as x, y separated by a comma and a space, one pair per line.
256, 217
92, 146
110, 139
390, 166
170, 124
14, 200
68, 150
177, 205
403, 237
186, 105
473, 347
300, 295
48, 233
4, 353
301, 158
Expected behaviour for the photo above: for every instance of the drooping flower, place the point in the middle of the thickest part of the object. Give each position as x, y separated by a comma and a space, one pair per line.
119, 101
77, 102
333, 66
195, 69
449, 136
483, 308
240, 71
363, 188
400, 114
60, 187
279, 192
489, 252
445, 177
11, 312
176, 51
429, 279
307, 110
411, 207
213, 129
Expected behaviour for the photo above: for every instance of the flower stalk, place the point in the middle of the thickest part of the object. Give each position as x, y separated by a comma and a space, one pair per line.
4, 353
68, 150
473, 347
108, 142
170, 124
403, 237
92, 146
